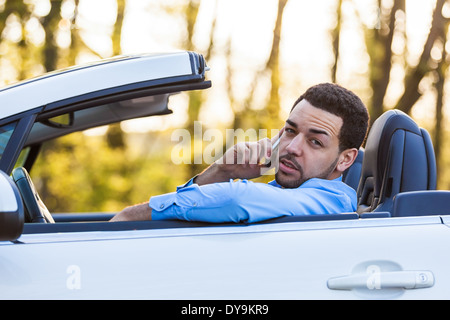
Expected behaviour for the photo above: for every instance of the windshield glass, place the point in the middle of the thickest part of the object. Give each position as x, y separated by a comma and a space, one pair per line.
5, 134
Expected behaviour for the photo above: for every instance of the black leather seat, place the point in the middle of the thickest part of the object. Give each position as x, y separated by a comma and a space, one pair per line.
35, 209
421, 203
398, 157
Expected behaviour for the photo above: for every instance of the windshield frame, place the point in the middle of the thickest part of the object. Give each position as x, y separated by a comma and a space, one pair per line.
16, 141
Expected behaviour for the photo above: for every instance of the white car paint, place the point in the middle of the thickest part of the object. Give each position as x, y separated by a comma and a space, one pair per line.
78, 81
8, 201
272, 261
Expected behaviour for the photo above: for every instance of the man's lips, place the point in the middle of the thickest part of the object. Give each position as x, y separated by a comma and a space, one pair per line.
288, 166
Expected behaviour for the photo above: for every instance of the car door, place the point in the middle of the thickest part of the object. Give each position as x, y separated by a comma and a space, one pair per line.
385, 258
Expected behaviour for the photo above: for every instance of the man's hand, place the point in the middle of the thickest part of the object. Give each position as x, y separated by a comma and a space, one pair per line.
245, 160
137, 212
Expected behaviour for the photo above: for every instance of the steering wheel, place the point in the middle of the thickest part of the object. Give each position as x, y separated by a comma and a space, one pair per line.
35, 209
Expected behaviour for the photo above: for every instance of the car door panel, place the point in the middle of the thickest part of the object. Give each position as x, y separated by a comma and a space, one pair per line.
292, 261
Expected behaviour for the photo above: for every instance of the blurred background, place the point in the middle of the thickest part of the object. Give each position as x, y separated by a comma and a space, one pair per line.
262, 53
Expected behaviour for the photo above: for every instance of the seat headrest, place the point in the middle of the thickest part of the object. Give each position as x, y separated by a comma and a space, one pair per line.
398, 157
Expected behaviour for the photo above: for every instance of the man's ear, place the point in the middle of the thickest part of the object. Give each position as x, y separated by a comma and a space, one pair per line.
346, 159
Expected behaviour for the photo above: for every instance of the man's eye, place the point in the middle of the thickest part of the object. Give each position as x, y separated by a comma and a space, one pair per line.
316, 142
289, 130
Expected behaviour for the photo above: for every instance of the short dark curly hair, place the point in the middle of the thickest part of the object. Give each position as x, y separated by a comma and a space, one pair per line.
346, 105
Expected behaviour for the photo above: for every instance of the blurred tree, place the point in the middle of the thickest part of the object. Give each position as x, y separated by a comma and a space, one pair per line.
427, 65
379, 40
50, 23
117, 31
379, 47
272, 109
441, 72
17, 7
335, 36
85, 175
115, 135
379, 44
75, 39
16, 12
414, 74
268, 117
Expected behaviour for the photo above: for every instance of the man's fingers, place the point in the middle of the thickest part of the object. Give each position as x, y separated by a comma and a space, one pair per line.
271, 146
250, 153
253, 153
241, 153
258, 151
263, 152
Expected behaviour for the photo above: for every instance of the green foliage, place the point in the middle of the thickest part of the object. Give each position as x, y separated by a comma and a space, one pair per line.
80, 173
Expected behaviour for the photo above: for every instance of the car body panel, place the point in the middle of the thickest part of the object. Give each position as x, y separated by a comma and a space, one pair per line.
270, 261
78, 81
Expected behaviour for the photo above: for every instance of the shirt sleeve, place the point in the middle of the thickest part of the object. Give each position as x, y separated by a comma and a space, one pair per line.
191, 202
247, 201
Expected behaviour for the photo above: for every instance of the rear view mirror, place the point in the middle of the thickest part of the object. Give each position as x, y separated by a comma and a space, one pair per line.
11, 209
62, 121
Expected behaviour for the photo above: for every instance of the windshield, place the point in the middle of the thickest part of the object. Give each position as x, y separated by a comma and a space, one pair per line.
5, 134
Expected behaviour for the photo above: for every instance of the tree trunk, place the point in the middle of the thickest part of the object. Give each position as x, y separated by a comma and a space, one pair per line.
115, 136
415, 75
50, 25
335, 35
379, 47
272, 119
440, 84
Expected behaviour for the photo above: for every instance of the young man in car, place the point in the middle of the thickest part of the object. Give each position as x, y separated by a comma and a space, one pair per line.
319, 141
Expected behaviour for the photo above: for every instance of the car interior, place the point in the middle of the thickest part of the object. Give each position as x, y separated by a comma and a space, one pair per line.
393, 174
399, 157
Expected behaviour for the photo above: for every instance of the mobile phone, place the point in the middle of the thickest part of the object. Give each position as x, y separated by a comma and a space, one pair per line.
268, 162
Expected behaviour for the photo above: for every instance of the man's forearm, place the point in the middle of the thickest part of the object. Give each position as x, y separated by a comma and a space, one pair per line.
136, 212
212, 174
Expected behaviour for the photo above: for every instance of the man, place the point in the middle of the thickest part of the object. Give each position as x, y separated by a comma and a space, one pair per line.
319, 141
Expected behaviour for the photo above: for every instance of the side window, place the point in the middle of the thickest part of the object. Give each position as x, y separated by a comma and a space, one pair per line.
5, 134
22, 157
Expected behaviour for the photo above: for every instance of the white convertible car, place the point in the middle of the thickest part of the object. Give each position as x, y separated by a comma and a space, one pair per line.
396, 246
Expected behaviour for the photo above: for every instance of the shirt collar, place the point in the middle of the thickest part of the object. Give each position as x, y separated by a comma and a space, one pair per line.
275, 184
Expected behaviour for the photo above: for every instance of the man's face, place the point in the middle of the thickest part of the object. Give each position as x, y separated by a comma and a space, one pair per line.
309, 146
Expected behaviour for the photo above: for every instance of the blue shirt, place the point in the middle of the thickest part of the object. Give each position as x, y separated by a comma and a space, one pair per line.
247, 201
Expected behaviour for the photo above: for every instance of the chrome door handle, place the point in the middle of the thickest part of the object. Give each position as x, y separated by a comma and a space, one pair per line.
383, 280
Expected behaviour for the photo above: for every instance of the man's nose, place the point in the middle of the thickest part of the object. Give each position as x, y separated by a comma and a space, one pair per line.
296, 145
